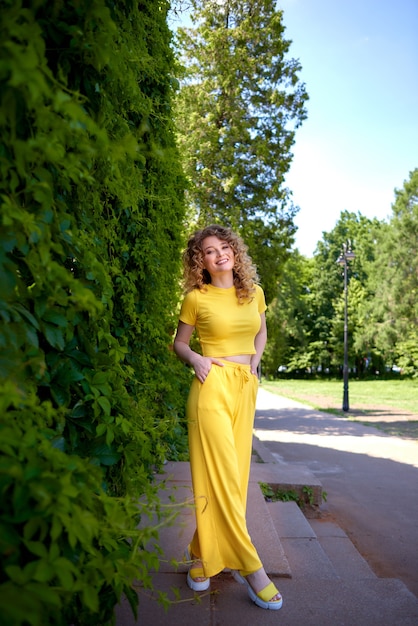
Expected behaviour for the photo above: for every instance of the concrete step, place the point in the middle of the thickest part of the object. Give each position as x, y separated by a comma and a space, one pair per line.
382, 602
289, 545
346, 559
174, 538
264, 534
315, 548
284, 476
323, 579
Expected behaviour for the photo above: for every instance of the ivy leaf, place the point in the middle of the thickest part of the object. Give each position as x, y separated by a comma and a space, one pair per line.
105, 454
90, 598
60, 394
78, 410
58, 443
55, 317
54, 336
26, 314
67, 372
105, 404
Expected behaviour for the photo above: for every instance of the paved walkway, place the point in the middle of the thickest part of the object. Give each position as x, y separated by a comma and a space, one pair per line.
371, 478
323, 578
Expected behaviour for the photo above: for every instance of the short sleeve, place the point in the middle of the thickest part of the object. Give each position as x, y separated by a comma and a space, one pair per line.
261, 300
188, 312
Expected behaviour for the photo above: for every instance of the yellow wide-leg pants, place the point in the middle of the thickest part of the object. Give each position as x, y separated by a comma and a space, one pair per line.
220, 414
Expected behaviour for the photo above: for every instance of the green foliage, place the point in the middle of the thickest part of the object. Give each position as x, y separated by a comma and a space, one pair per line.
302, 497
289, 318
68, 550
328, 286
407, 351
392, 312
91, 396
240, 103
307, 317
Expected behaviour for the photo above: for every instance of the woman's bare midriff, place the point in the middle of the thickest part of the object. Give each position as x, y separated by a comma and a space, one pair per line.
244, 359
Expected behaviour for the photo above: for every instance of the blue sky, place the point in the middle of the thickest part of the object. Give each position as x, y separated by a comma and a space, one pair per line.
360, 64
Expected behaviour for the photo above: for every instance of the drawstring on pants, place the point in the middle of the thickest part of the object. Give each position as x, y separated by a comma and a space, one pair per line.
244, 374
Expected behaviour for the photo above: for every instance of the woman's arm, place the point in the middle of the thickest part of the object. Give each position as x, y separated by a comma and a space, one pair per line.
259, 344
201, 364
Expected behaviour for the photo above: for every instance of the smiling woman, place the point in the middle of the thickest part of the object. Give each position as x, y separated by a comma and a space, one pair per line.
227, 308
218, 261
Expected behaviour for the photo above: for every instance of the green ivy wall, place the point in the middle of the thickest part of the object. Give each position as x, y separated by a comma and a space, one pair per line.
91, 396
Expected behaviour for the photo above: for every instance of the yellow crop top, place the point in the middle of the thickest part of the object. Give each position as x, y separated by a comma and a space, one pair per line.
224, 327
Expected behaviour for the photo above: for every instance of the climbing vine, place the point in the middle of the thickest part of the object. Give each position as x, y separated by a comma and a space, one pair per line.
91, 397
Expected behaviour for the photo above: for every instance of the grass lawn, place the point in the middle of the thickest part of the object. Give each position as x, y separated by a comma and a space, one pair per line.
367, 394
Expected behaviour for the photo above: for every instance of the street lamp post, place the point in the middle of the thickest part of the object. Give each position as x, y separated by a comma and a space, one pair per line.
343, 259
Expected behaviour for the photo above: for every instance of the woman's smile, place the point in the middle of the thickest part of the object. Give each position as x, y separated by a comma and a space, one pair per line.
217, 255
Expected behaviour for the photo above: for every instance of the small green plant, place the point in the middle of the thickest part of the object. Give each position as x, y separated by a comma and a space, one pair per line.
309, 495
306, 497
266, 490
281, 495
287, 496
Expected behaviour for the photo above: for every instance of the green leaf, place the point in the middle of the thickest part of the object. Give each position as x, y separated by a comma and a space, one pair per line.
54, 336
90, 598
37, 548
105, 454
101, 429
78, 410
66, 572
105, 404
58, 443
45, 593
44, 572
55, 317
16, 574
27, 314
60, 394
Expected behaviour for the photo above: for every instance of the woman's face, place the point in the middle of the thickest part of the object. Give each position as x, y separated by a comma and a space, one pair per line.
218, 255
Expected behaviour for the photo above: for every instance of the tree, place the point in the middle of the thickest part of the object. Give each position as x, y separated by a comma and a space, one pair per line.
239, 106
289, 318
327, 284
306, 320
393, 312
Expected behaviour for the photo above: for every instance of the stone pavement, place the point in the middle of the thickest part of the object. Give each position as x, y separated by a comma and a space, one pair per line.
322, 577
371, 478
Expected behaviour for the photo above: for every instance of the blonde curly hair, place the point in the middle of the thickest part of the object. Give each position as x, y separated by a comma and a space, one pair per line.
244, 272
